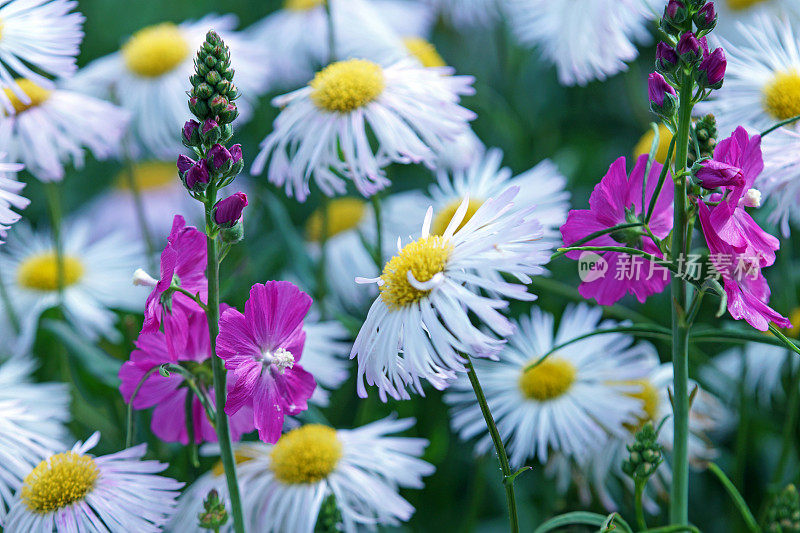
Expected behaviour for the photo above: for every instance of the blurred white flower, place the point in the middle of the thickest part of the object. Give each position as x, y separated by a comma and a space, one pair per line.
149, 77
37, 38
10, 197
325, 356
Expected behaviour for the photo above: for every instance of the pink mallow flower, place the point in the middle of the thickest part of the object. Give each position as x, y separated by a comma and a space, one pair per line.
261, 349
736, 164
744, 284
190, 347
617, 199
183, 261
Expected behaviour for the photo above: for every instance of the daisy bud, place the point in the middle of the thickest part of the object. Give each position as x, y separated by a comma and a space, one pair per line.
706, 18
210, 132
184, 163
712, 174
196, 178
228, 211
689, 48
666, 58
752, 198
711, 71
663, 99
191, 133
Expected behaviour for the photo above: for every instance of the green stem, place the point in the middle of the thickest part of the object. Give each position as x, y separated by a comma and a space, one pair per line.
780, 124
138, 206
498, 446
679, 495
11, 314
638, 494
212, 312
661, 178
129, 417
742, 432
54, 209
790, 423
376, 208
322, 285
594, 235
738, 501
331, 32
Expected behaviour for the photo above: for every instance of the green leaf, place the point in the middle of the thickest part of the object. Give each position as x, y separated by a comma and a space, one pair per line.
93, 359
585, 518
737, 498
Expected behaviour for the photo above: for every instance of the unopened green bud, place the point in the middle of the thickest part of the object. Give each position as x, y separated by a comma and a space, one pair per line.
783, 513
214, 514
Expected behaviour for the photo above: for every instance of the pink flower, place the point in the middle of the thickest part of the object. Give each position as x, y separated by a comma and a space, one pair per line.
261, 349
616, 200
744, 284
729, 221
183, 261
168, 394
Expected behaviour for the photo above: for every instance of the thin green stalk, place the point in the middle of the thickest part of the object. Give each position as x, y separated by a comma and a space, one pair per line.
498, 446
223, 429
661, 178
742, 432
780, 124
331, 32
790, 422
8, 305
138, 206
594, 235
679, 494
322, 282
738, 501
129, 417
54, 209
637, 502
376, 208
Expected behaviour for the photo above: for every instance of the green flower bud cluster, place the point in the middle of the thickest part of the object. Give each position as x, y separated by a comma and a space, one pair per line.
783, 514
213, 92
704, 131
214, 515
645, 454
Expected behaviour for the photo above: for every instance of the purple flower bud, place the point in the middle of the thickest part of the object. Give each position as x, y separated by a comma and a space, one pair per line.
689, 47
219, 157
197, 177
712, 69
703, 46
713, 174
228, 211
236, 152
663, 98
190, 132
208, 125
210, 132
675, 11
184, 163
706, 18
666, 58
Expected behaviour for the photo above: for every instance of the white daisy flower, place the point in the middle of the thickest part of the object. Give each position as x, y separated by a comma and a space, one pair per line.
586, 40
461, 153
149, 77
569, 403
284, 485
350, 222
324, 130
325, 356
10, 197
419, 327
38, 37
779, 182
732, 12
764, 368
74, 491
597, 473
32, 417
542, 186
96, 277
297, 35
762, 79
55, 127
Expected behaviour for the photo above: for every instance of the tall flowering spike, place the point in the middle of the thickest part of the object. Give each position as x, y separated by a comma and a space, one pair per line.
213, 92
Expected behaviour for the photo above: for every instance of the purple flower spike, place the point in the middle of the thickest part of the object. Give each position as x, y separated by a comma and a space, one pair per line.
228, 211
658, 89
712, 69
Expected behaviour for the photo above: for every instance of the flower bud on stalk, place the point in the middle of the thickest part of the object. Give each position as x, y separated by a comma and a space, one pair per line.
711, 71
214, 514
783, 513
213, 91
644, 454
197, 177
706, 18
190, 135
210, 133
228, 216
666, 59
704, 135
689, 48
663, 99
675, 14
221, 160
712, 174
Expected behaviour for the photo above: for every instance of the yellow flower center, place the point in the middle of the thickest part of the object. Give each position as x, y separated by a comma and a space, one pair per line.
343, 214
548, 380
650, 401
424, 51
62, 479
443, 217
149, 175
306, 455
347, 85
38, 95
302, 5
794, 318
40, 272
423, 258
781, 96
239, 457
738, 5
644, 144
155, 50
